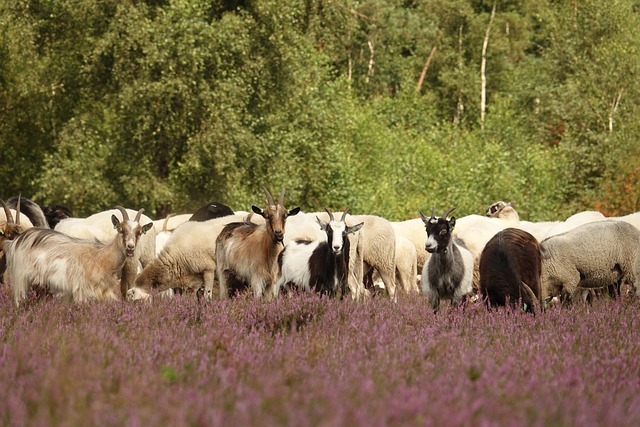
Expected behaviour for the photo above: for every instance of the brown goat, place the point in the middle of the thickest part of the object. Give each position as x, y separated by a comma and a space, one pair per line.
511, 269
248, 252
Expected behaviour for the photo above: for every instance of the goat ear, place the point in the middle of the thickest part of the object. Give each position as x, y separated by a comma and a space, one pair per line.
452, 222
294, 211
115, 221
257, 210
323, 225
354, 228
147, 227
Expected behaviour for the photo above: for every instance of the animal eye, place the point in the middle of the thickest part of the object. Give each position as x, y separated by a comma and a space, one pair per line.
443, 232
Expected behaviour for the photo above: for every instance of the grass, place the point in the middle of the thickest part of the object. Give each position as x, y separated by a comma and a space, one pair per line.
311, 361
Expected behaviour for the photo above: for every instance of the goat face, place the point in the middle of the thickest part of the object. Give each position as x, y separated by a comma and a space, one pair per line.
130, 231
337, 231
439, 231
275, 216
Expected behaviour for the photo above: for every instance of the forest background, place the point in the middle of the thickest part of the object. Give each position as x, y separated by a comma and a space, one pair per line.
383, 106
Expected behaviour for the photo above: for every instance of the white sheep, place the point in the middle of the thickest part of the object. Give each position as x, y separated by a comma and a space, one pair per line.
591, 256
187, 259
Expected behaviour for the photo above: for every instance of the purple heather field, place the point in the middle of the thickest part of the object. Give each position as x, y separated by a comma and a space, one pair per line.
311, 361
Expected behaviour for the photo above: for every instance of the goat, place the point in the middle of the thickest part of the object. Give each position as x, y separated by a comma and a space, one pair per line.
510, 269
96, 227
248, 252
31, 209
449, 271
9, 230
319, 264
79, 269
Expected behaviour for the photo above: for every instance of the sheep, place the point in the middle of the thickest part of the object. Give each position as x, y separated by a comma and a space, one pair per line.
510, 269
591, 256
56, 213
449, 271
170, 223
406, 268
319, 264
187, 261
210, 211
95, 227
163, 235
413, 231
75, 268
247, 253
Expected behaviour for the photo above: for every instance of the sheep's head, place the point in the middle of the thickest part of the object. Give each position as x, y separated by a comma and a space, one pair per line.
439, 231
337, 231
504, 210
129, 231
11, 228
275, 215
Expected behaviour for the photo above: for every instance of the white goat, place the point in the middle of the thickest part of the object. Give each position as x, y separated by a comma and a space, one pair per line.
79, 269
96, 227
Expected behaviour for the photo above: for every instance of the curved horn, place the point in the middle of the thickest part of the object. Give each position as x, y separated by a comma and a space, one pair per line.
166, 221
344, 214
125, 215
447, 213
138, 215
330, 214
269, 198
281, 198
7, 212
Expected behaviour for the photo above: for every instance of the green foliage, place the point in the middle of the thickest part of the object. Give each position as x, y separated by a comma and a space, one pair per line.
169, 105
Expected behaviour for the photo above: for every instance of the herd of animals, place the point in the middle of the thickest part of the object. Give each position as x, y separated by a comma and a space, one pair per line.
122, 254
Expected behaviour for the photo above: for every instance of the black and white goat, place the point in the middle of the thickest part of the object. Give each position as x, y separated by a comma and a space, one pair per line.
448, 273
79, 269
321, 265
247, 253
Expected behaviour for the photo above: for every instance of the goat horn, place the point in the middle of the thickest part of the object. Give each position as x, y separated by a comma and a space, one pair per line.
18, 209
433, 213
139, 214
125, 215
166, 221
269, 198
330, 214
7, 212
447, 213
344, 214
281, 198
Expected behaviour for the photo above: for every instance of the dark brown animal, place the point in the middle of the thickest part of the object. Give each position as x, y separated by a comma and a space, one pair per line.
511, 269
